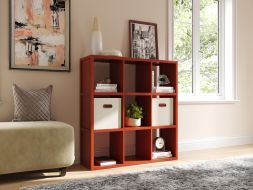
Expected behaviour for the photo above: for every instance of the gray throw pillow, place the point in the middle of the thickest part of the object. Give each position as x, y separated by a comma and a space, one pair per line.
32, 105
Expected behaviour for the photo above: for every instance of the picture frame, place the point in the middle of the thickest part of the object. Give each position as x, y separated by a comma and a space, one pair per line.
39, 35
143, 40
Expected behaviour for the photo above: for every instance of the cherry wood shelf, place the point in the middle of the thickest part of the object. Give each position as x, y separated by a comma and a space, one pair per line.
165, 127
134, 79
165, 94
127, 128
137, 94
107, 94
108, 130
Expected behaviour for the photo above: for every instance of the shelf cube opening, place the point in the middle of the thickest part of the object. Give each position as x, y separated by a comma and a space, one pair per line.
168, 70
109, 145
145, 103
138, 145
137, 77
112, 69
170, 137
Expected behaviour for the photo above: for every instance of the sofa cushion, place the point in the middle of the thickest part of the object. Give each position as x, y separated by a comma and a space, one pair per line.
31, 146
32, 105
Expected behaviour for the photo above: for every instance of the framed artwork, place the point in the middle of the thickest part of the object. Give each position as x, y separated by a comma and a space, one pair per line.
40, 35
143, 40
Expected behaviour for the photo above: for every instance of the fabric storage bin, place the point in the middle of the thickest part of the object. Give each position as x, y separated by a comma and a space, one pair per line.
107, 113
162, 111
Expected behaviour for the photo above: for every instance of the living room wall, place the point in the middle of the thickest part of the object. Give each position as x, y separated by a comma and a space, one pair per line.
197, 123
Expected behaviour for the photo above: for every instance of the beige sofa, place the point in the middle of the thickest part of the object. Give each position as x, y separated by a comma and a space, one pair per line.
32, 146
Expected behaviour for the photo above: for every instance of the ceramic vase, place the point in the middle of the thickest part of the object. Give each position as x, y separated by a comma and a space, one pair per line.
96, 38
132, 122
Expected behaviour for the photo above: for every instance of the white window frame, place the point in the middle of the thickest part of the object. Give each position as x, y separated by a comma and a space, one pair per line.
227, 54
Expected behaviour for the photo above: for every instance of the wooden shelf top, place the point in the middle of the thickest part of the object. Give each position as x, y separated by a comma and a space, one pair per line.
105, 58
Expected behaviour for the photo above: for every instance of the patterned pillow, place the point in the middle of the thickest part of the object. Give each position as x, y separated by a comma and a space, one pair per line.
32, 105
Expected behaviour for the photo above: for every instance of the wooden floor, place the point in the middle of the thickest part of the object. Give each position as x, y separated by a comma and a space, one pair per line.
14, 182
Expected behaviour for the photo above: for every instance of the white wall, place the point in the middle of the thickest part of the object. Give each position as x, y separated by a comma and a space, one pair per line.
195, 121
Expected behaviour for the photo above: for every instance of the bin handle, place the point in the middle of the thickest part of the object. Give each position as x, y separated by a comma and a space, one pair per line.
107, 106
162, 105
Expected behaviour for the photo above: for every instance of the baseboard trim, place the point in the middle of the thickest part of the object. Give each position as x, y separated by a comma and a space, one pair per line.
209, 143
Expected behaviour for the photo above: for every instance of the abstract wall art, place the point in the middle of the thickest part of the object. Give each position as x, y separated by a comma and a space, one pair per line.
40, 35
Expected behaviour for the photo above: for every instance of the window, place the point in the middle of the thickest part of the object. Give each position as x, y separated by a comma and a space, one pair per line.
201, 36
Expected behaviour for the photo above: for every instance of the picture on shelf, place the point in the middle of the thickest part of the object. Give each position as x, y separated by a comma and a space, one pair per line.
143, 40
39, 38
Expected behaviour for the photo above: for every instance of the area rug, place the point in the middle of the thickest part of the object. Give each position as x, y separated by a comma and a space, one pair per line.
226, 174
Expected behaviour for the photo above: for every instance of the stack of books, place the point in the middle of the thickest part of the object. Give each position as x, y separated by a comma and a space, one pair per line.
106, 88
164, 89
161, 154
105, 161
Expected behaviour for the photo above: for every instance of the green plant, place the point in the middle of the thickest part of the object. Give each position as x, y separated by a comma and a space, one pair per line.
134, 111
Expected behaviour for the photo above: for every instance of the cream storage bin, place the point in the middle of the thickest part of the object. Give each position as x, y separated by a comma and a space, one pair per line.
162, 111
107, 113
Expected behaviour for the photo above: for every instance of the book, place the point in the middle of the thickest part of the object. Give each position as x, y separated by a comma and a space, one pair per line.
101, 88
105, 161
165, 89
106, 90
107, 85
161, 154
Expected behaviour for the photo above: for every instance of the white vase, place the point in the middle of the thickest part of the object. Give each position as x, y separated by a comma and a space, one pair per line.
132, 122
96, 38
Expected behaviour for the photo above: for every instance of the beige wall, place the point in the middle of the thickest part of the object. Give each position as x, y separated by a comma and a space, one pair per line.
196, 121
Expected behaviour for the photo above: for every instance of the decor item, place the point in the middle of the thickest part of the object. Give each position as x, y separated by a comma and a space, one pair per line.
105, 161
96, 38
143, 40
163, 80
233, 173
159, 144
134, 114
40, 35
112, 52
36, 145
32, 105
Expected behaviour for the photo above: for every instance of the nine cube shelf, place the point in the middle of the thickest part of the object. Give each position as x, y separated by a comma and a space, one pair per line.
127, 145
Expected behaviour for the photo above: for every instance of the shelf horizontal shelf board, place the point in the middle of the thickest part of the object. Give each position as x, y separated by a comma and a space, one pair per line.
108, 130
126, 128
165, 94
106, 58
108, 94
132, 160
128, 60
163, 159
159, 62
164, 127
137, 94
96, 167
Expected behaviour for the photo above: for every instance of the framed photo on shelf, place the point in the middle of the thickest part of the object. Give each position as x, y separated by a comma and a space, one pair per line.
40, 35
143, 40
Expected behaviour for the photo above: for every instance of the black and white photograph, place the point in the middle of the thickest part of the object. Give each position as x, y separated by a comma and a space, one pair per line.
143, 40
